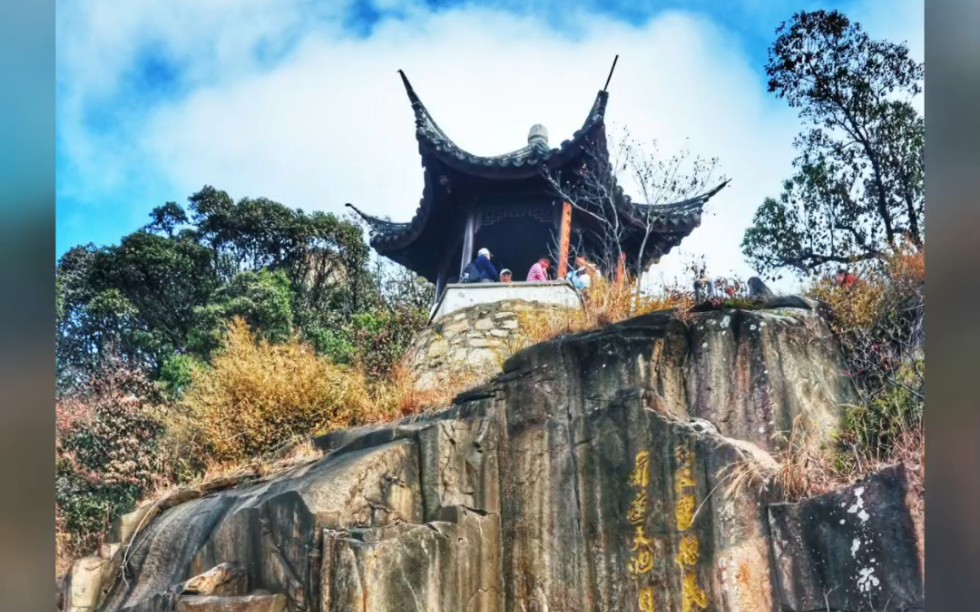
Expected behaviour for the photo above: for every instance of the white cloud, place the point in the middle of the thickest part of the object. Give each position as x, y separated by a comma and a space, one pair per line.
334, 125
331, 123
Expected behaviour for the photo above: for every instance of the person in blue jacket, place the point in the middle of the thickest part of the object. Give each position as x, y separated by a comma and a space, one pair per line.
480, 270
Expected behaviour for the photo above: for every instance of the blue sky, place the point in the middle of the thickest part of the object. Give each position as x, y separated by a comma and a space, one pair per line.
300, 102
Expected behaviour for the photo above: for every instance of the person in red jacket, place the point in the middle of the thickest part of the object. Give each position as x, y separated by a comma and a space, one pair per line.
845, 279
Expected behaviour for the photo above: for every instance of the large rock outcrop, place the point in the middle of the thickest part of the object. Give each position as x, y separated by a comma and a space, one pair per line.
861, 532
601, 471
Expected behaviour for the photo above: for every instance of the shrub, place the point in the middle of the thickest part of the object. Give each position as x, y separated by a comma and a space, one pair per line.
381, 338
176, 374
875, 430
373, 341
879, 323
107, 454
332, 343
258, 396
263, 299
400, 395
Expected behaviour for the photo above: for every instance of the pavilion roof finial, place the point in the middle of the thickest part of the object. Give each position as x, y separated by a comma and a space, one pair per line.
408, 88
424, 123
538, 135
611, 70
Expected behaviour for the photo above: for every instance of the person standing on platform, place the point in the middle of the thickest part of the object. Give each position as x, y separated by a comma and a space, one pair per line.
506, 276
539, 271
581, 276
480, 270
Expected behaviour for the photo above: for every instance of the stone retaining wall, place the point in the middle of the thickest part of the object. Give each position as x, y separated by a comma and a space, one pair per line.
471, 342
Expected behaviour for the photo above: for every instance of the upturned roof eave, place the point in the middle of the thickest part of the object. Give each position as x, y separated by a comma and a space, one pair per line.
525, 161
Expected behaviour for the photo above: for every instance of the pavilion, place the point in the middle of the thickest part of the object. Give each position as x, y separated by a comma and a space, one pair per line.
506, 204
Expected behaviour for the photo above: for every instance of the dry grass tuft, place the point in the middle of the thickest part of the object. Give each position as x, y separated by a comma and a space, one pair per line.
669, 298
911, 451
65, 553
257, 397
806, 470
606, 302
744, 474
536, 326
403, 397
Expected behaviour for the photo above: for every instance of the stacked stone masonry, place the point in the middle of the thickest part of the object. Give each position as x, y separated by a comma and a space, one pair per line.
473, 342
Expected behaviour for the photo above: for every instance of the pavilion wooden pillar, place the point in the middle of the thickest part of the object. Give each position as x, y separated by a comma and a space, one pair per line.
468, 233
621, 271
565, 239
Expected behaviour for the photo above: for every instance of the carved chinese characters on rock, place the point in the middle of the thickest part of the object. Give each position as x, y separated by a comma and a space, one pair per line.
693, 596
641, 550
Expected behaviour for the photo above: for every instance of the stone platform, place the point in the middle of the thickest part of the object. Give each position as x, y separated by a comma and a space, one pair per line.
458, 296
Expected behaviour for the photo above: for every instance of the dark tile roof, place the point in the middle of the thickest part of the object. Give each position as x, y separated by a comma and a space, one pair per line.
671, 222
666, 217
678, 218
434, 141
379, 226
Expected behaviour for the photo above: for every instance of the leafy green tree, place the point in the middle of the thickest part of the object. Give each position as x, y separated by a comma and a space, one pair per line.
399, 287
159, 301
858, 190
176, 374
166, 219
324, 256
376, 337
262, 299
165, 279
93, 319
329, 267
137, 297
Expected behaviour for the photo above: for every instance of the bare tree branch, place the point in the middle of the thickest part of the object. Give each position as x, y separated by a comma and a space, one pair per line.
594, 189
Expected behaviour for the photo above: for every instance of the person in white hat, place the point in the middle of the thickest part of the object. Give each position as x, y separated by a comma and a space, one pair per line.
480, 270
506, 275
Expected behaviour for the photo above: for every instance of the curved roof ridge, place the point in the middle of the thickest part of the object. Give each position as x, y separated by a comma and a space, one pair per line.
434, 138
683, 215
378, 225
424, 123
693, 202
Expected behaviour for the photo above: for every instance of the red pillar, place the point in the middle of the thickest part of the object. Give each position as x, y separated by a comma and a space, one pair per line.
621, 271
565, 243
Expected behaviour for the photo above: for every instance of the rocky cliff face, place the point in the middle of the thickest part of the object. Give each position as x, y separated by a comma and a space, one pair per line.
595, 473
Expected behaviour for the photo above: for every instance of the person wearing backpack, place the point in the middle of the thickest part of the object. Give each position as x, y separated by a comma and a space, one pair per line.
480, 270
581, 276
